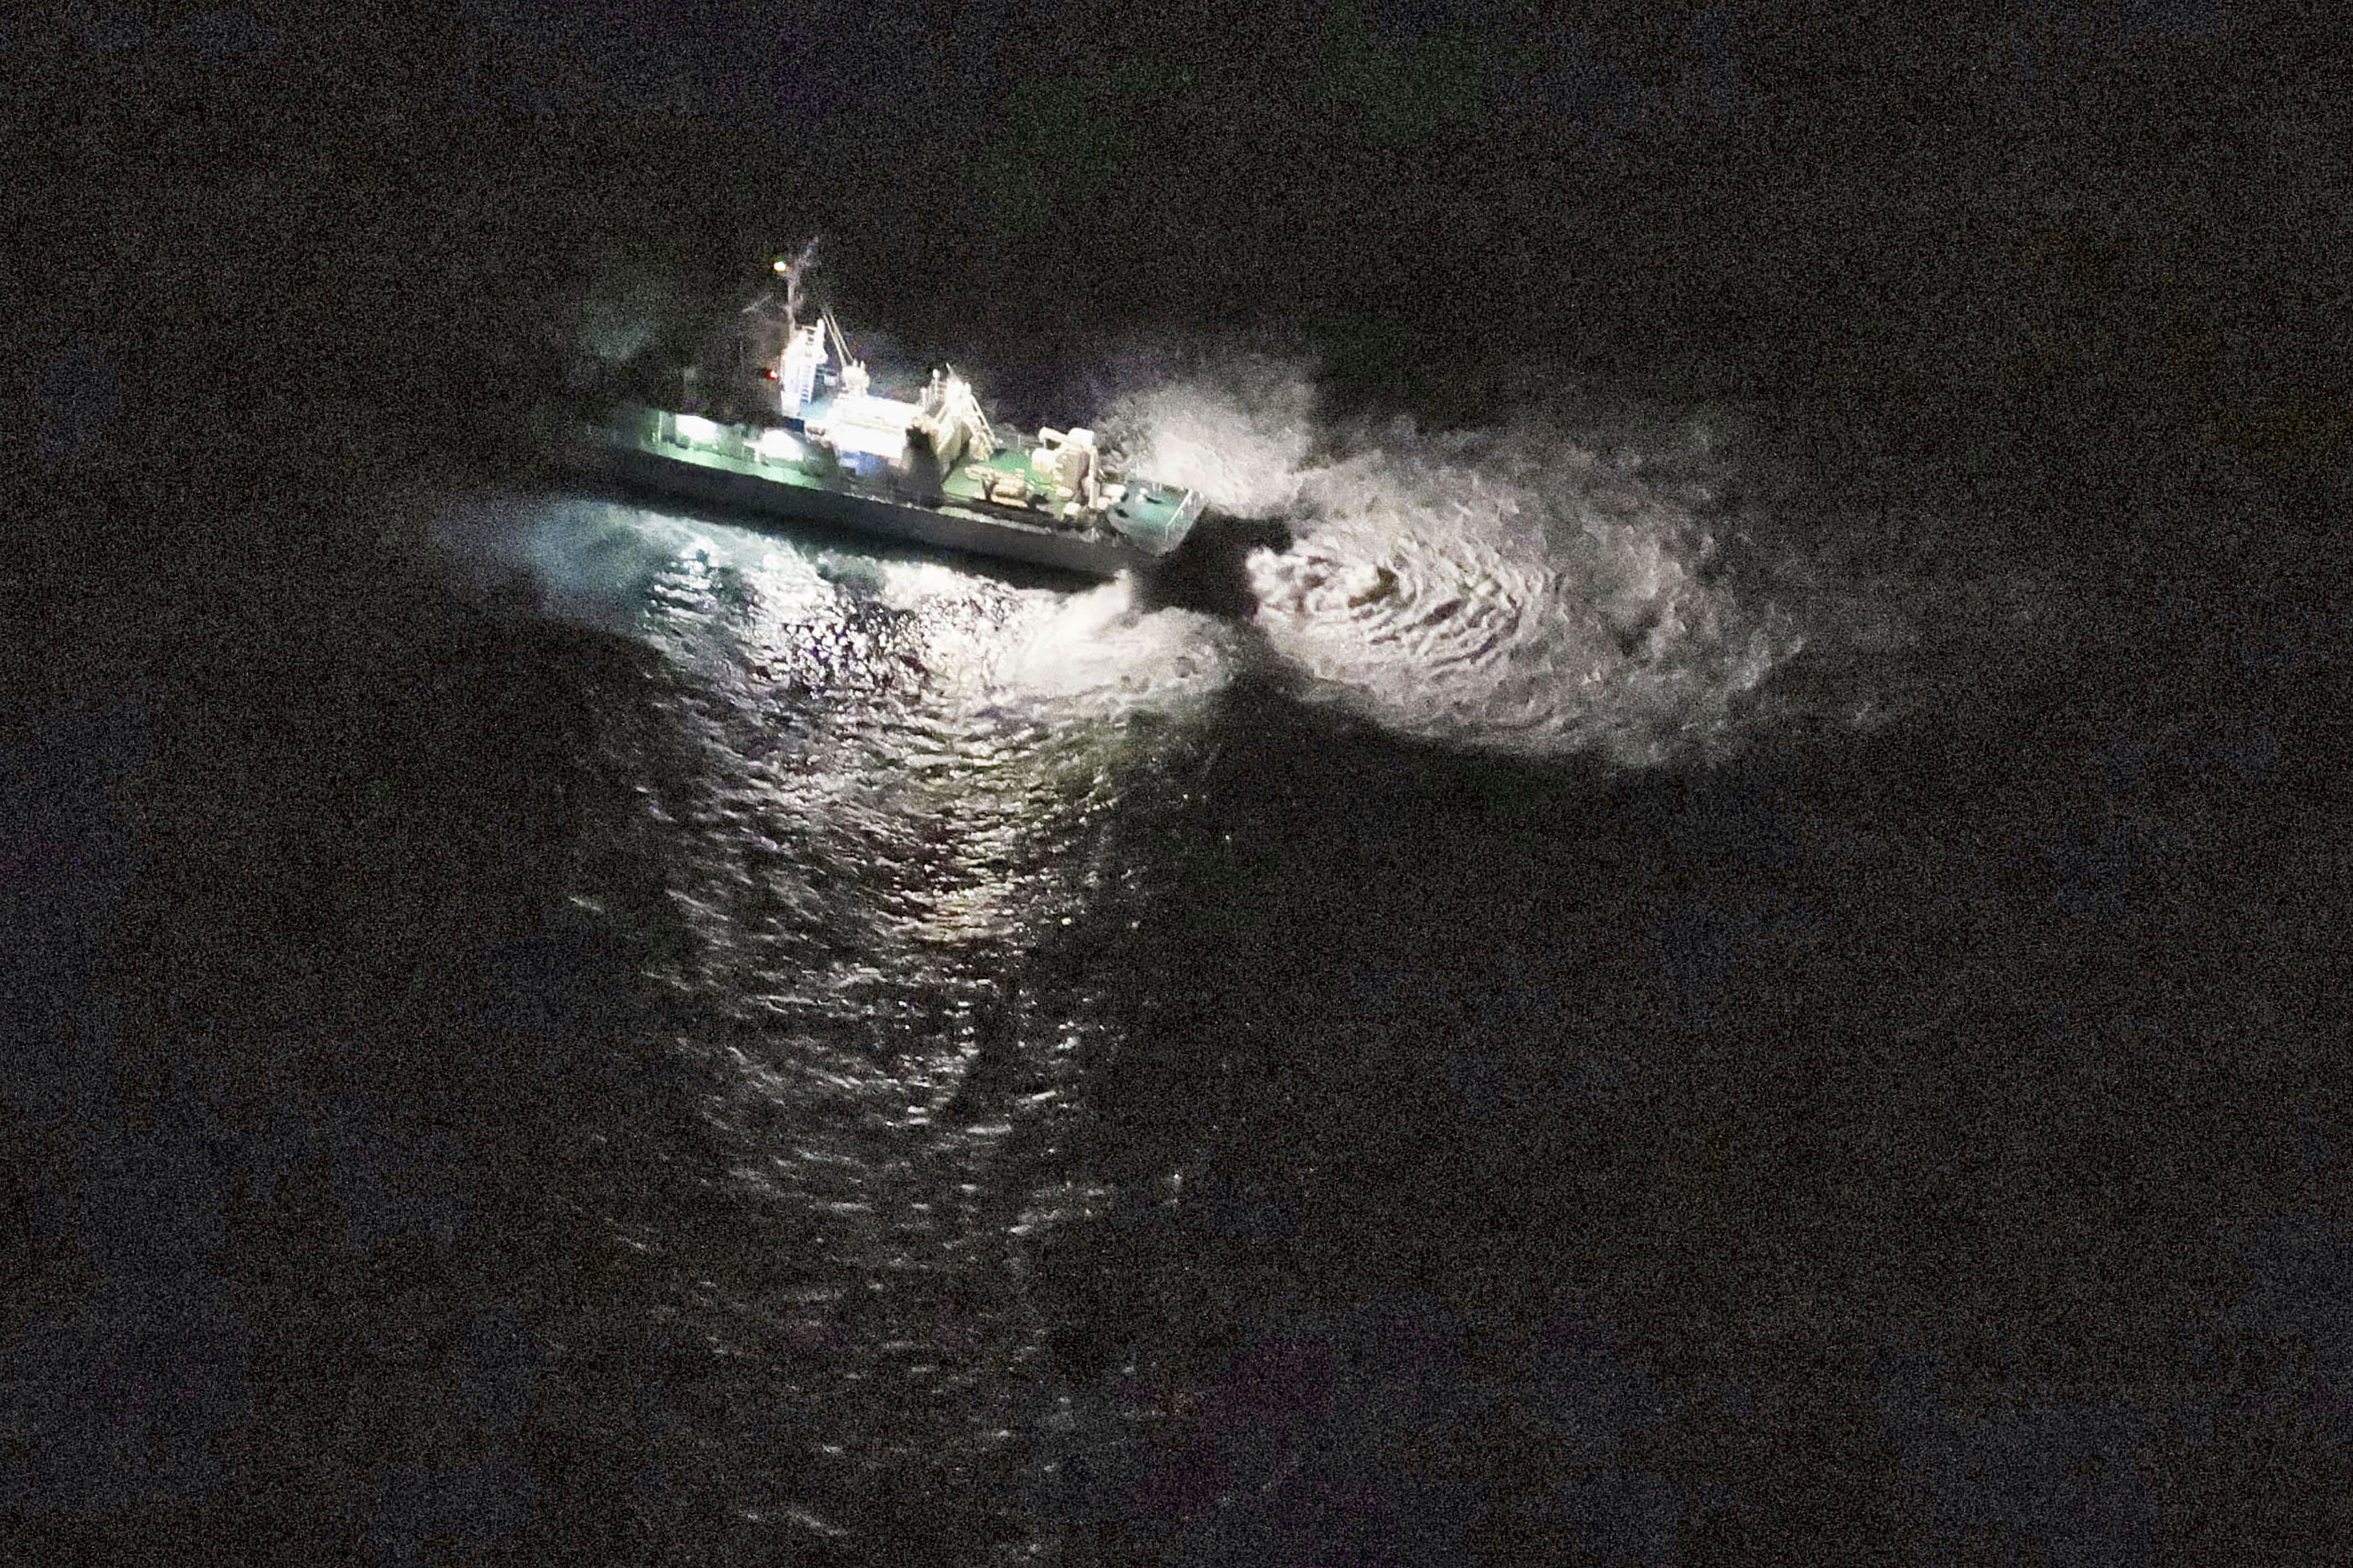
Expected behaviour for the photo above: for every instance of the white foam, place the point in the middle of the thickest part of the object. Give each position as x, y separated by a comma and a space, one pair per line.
1506, 590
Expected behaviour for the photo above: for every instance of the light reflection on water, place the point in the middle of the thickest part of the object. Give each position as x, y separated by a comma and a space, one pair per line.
900, 778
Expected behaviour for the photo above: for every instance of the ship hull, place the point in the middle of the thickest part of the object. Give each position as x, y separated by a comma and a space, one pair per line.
951, 527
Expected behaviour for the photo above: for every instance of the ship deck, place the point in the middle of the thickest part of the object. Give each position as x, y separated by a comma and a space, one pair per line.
762, 470
1151, 519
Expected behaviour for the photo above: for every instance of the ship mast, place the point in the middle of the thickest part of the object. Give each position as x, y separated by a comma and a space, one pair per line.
794, 272
805, 343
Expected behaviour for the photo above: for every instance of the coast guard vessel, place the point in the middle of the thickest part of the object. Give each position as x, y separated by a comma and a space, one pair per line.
820, 443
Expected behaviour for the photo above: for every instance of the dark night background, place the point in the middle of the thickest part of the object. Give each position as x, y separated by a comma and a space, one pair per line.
2002, 1051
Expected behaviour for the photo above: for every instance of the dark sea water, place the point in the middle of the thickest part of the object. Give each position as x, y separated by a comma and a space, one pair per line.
1705, 929
1574, 999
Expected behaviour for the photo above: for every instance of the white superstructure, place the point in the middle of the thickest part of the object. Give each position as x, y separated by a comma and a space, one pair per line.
796, 373
861, 422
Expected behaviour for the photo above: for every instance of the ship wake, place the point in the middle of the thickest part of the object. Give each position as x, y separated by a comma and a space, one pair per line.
1506, 590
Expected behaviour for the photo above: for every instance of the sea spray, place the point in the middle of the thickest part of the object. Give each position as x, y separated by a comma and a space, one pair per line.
1240, 429
766, 609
